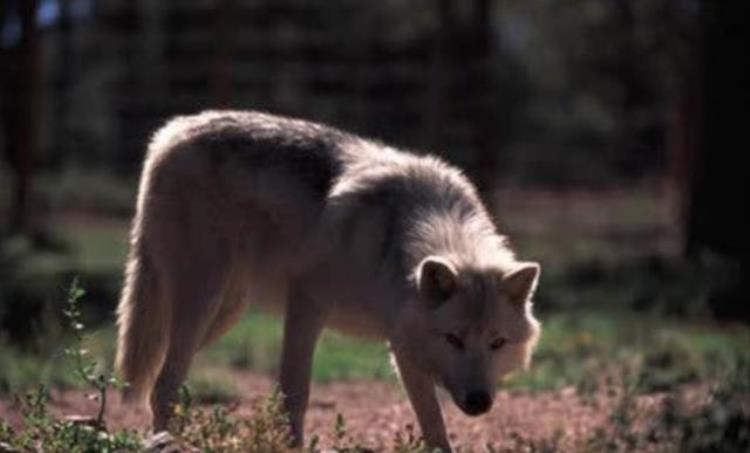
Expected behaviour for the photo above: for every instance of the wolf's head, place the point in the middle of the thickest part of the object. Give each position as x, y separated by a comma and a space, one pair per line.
467, 327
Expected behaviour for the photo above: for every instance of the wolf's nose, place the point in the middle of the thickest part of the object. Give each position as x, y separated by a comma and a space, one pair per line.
478, 402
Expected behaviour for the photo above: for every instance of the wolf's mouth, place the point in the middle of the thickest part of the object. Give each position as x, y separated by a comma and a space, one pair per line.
473, 412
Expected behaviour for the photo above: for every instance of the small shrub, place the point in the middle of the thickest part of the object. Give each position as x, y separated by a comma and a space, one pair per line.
42, 432
670, 361
269, 430
216, 430
408, 442
720, 423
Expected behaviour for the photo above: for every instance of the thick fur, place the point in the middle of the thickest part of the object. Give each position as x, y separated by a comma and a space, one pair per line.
331, 230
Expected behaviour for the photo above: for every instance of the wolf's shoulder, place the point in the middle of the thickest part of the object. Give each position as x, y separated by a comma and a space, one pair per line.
416, 180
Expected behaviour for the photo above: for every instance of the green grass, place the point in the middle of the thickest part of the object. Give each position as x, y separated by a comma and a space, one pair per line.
20, 371
583, 349
97, 246
576, 349
45, 362
255, 343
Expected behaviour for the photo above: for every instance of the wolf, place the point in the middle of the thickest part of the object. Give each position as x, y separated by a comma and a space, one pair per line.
327, 229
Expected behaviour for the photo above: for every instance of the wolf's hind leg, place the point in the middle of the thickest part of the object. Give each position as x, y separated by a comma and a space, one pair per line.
195, 297
234, 301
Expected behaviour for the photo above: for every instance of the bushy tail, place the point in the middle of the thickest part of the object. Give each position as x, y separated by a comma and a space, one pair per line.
143, 321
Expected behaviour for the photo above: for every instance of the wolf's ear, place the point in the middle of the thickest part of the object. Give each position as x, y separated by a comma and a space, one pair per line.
436, 279
520, 283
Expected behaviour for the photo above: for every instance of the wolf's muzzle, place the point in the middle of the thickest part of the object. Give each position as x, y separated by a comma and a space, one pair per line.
477, 403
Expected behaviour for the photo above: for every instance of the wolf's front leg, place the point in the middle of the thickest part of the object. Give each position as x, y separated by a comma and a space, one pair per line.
302, 326
421, 391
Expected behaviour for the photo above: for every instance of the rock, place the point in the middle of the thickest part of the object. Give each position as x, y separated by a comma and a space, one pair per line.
86, 420
5, 448
161, 442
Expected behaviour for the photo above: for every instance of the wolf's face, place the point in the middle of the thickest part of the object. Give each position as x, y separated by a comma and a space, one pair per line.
470, 327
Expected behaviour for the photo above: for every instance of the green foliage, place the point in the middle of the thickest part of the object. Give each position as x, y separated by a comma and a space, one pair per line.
342, 441
721, 422
32, 271
588, 349
269, 429
520, 443
18, 369
87, 369
407, 441
42, 432
217, 430
600, 75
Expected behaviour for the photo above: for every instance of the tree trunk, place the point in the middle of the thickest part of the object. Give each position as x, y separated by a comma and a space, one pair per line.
464, 92
65, 68
222, 84
717, 206
23, 129
485, 109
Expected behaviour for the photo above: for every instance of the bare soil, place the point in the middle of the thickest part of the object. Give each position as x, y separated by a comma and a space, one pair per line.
374, 411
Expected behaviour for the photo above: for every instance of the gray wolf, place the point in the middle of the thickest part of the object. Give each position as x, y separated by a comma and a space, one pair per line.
328, 229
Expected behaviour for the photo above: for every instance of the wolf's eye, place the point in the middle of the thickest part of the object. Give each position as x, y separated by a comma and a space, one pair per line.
497, 343
454, 341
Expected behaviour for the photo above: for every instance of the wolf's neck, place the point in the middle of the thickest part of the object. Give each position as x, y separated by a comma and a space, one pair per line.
467, 239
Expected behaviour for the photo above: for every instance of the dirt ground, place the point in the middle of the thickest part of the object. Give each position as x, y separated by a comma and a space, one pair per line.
375, 410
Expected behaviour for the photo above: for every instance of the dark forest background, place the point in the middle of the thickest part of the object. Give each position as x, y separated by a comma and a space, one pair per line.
607, 125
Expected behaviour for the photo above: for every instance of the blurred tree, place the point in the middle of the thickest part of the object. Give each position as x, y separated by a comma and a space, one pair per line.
222, 83
125, 23
717, 201
465, 81
603, 73
65, 66
20, 95
564, 92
